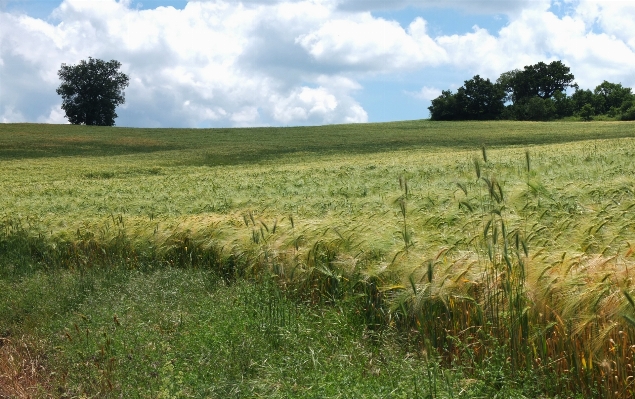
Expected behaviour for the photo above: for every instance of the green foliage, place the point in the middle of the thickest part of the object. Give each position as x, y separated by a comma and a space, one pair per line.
477, 99
629, 114
587, 112
506, 82
535, 109
536, 93
183, 333
480, 99
444, 107
614, 96
539, 80
563, 104
91, 91
581, 98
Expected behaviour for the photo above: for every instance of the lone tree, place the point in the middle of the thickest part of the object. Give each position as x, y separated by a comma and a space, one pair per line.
91, 90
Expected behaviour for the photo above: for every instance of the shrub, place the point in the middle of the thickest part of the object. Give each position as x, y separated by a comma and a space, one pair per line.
587, 112
629, 114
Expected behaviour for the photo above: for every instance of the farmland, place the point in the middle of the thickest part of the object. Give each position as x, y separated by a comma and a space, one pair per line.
406, 259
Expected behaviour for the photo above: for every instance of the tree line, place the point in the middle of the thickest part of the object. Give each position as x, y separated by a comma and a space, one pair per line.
536, 93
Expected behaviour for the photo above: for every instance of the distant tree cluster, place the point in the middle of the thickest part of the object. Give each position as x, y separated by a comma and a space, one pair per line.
536, 93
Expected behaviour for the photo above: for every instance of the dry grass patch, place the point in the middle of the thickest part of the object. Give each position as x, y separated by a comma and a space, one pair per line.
22, 372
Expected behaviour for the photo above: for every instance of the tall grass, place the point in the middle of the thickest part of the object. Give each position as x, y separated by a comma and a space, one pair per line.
516, 260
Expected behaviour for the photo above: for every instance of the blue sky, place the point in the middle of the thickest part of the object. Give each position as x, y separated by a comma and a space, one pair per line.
298, 62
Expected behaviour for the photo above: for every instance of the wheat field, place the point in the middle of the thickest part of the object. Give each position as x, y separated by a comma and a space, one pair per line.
472, 243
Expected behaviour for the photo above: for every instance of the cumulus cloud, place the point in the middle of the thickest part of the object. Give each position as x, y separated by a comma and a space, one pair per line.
426, 93
372, 44
56, 115
10, 115
472, 6
310, 105
190, 67
268, 62
539, 35
615, 18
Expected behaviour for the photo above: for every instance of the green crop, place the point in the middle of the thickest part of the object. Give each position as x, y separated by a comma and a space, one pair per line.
499, 252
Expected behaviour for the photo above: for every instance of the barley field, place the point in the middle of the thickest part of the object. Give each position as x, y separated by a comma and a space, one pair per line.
407, 259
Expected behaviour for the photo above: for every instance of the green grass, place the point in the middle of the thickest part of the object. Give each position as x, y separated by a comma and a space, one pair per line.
511, 284
248, 145
184, 333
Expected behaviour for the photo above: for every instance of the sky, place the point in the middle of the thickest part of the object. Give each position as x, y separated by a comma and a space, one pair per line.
214, 63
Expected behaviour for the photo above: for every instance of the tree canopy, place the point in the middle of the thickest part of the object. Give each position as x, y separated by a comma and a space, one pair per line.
91, 91
537, 92
614, 96
477, 99
541, 80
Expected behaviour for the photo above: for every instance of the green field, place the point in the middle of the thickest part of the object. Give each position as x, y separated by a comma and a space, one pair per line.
407, 259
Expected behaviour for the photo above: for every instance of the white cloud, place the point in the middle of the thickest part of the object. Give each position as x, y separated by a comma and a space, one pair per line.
265, 62
613, 17
56, 115
308, 105
372, 44
190, 67
477, 51
473, 6
10, 115
539, 35
426, 93
248, 116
